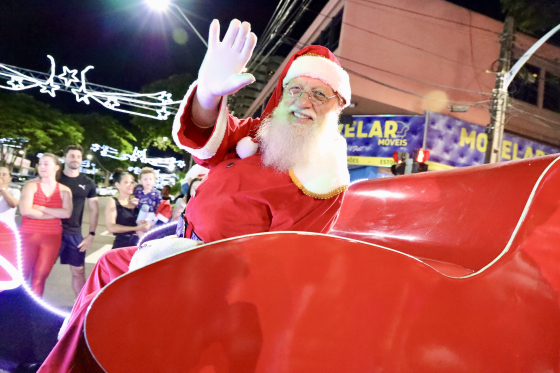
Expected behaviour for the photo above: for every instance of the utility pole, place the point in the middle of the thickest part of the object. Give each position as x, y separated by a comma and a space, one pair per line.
495, 129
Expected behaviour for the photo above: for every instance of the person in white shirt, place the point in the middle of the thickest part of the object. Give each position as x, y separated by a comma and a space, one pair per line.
9, 198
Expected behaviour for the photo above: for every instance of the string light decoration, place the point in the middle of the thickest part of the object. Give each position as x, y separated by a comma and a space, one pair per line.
88, 167
19, 278
152, 231
16, 278
137, 156
161, 178
13, 143
152, 105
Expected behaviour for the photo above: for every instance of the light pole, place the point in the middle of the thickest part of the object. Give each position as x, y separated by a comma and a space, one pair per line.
499, 99
163, 5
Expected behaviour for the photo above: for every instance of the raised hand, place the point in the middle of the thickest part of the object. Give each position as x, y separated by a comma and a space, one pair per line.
221, 72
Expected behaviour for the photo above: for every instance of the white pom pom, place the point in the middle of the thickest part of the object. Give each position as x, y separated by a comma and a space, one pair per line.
246, 147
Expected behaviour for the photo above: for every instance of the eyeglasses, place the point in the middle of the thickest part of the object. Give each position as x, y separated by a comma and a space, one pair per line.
316, 97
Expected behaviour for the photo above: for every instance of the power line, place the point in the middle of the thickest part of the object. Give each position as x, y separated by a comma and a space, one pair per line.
472, 51
274, 27
471, 104
294, 18
299, 44
411, 46
532, 115
427, 15
415, 79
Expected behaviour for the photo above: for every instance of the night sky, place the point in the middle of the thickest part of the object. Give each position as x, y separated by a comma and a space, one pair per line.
129, 44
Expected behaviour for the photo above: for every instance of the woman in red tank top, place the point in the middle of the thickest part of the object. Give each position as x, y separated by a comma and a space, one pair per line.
42, 205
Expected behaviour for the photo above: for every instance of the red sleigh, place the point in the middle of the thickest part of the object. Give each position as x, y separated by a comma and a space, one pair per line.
454, 271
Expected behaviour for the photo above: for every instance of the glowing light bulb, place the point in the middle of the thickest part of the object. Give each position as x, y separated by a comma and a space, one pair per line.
159, 5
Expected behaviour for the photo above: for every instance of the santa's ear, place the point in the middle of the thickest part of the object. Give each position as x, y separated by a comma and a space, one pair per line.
341, 103
340, 106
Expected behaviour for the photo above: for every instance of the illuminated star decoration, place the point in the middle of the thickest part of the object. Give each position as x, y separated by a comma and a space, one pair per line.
159, 105
81, 93
16, 83
68, 76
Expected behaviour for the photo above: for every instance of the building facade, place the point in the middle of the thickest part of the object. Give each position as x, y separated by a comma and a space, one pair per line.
412, 57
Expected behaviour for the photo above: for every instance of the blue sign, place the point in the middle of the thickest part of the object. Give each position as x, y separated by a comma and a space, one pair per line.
514, 147
372, 139
457, 143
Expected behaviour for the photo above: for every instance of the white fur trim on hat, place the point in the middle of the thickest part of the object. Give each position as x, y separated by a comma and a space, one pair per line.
246, 147
322, 68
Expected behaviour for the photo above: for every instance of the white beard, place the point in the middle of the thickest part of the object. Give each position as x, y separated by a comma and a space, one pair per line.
285, 144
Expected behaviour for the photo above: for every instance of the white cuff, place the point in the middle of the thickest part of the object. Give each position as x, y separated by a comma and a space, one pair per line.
212, 145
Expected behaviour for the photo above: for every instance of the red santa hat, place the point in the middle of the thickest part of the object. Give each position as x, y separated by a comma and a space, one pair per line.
316, 62
313, 61
163, 211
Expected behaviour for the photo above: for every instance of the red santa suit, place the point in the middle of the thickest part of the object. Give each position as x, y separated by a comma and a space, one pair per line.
239, 196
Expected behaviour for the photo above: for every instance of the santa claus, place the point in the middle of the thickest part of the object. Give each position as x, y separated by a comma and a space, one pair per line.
286, 171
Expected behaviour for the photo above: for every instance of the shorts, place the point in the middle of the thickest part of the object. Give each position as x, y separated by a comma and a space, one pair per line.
125, 240
69, 252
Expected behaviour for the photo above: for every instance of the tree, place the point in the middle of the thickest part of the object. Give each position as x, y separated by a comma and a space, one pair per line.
154, 131
106, 130
533, 16
40, 127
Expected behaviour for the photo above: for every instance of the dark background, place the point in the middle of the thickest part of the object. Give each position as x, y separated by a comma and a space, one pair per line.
129, 44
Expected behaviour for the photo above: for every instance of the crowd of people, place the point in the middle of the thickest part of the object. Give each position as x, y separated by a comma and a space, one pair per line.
284, 171
52, 208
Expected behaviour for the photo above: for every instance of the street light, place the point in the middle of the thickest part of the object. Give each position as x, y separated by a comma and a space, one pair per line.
89, 156
162, 5
159, 5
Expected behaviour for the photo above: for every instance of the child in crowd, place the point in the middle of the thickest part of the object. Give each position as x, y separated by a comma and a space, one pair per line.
148, 195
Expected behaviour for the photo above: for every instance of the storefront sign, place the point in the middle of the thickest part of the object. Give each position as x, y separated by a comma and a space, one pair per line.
372, 139
457, 143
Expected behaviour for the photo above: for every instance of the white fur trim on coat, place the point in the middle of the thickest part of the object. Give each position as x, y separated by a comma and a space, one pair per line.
323, 69
328, 176
212, 145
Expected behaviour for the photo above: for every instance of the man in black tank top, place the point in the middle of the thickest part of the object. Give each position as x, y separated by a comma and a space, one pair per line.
73, 247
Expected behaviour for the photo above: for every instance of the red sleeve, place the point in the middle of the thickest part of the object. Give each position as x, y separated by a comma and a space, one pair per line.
210, 146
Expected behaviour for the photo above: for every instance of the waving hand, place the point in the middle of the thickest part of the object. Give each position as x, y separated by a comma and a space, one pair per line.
221, 72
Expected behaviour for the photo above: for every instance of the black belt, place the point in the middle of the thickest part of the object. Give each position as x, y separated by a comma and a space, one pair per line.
182, 229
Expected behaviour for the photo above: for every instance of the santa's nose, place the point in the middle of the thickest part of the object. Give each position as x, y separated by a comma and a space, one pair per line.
303, 100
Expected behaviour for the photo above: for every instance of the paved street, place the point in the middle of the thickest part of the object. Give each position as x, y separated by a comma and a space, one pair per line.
58, 289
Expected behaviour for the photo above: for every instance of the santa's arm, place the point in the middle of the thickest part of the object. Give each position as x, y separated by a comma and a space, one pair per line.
209, 146
202, 124
221, 72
